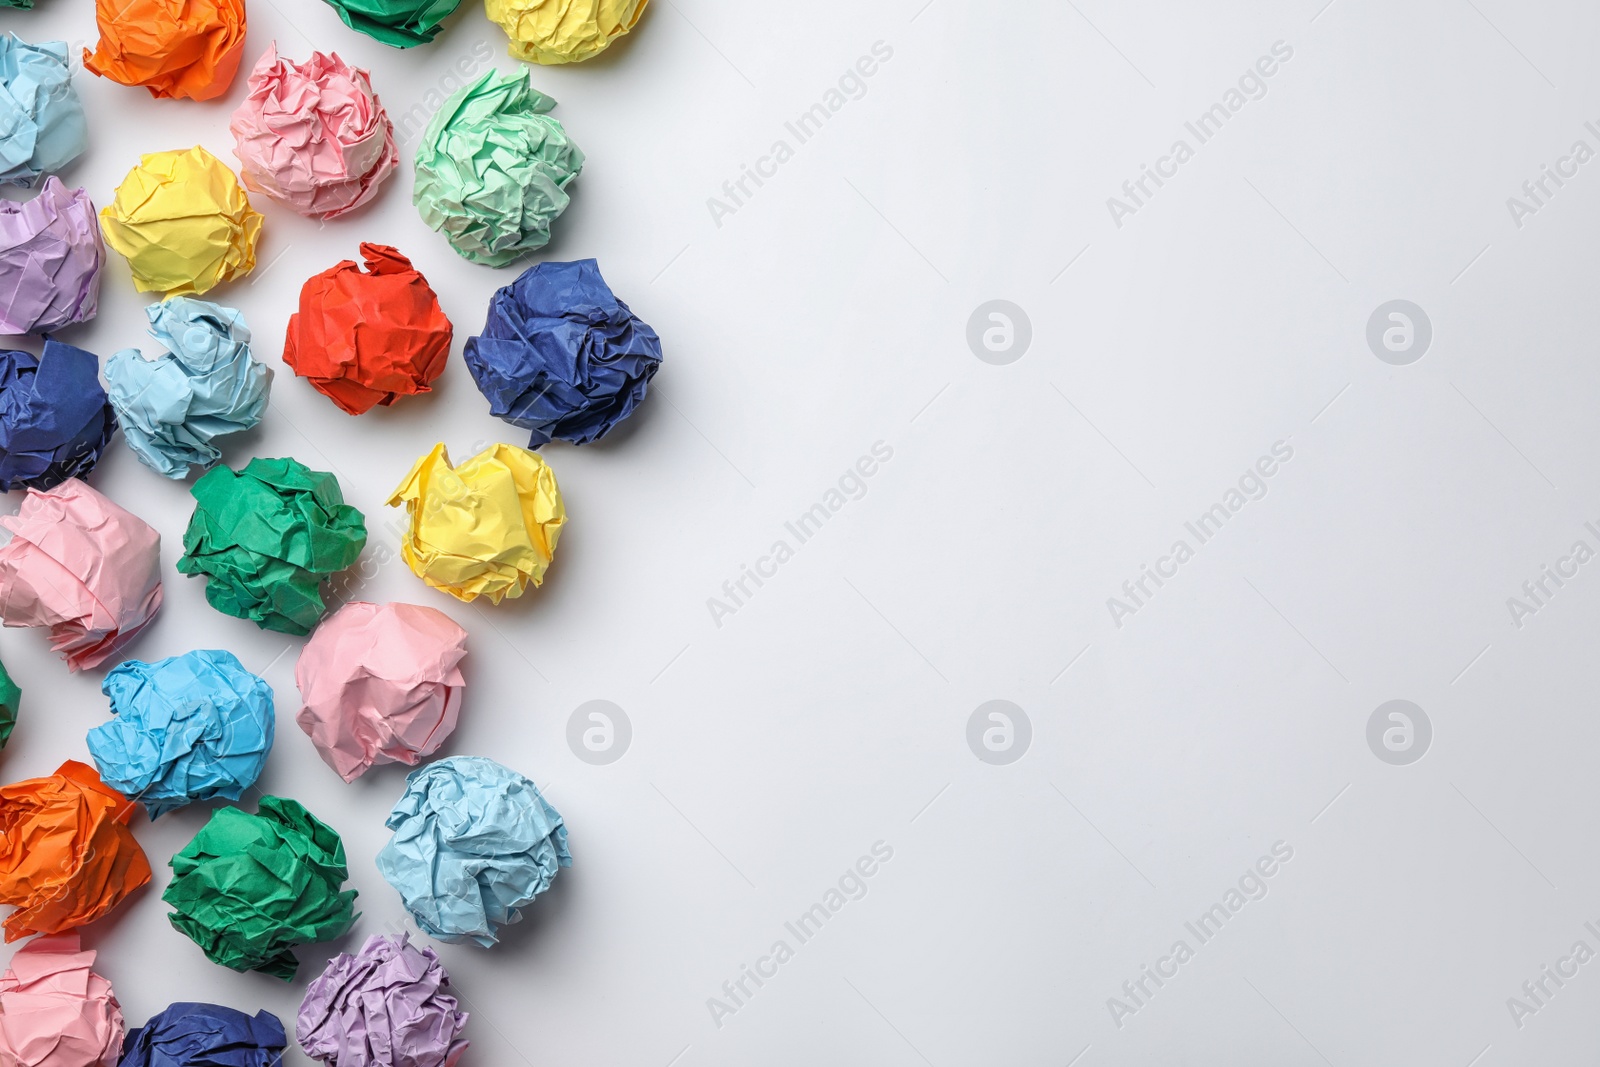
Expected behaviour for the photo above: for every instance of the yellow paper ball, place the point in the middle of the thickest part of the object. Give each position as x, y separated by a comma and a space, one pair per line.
184, 223
563, 31
486, 528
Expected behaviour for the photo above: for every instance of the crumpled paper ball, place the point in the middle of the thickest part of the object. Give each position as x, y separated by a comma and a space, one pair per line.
55, 418
10, 700
55, 1011
206, 1035
386, 1006
82, 567
561, 356
380, 683
50, 260
367, 338
249, 888
183, 222
190, 727
42, 125
493, 169
313, 134
20, 5
175, 48
265, 538
206, 385
563, 31
486, 528
67, 856
398, 23
474, 843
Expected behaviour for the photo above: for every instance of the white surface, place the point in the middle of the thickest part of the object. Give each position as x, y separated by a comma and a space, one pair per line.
829, 712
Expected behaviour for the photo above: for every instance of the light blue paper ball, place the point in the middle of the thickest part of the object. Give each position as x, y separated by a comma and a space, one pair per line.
206, 385
474, 843
42, 125
187, 728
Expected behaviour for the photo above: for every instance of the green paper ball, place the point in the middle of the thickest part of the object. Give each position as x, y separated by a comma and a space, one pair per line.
10, 697
249, 888
265, 538
399, 23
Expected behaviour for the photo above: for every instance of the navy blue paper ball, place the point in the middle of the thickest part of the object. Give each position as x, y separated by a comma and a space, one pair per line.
561, 356
205, 1035
55, 419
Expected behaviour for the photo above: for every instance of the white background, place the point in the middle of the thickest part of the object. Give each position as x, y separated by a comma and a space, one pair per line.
828, 313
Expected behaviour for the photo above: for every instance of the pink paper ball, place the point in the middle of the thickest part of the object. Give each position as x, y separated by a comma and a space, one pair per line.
82, 567
380, 683
313, 135
55, 1011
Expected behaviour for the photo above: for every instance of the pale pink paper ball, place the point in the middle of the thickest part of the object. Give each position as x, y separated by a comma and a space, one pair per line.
55, 1011
380, 683
313, 134
83, 568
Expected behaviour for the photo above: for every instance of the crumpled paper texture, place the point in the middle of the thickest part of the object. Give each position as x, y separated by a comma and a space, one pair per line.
55, 418
206, 385
175, 48
84, 568
50, 260
386, 1006
55, 1011
10, 700
368, 338
42, 125
206, 1035
67, 856
265, 538
563, 31
249, 888
493, 168
486, 528
398, 23
190, 727
561, 356
183, 222
313, 135
380, 683
20, 5
474, 843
